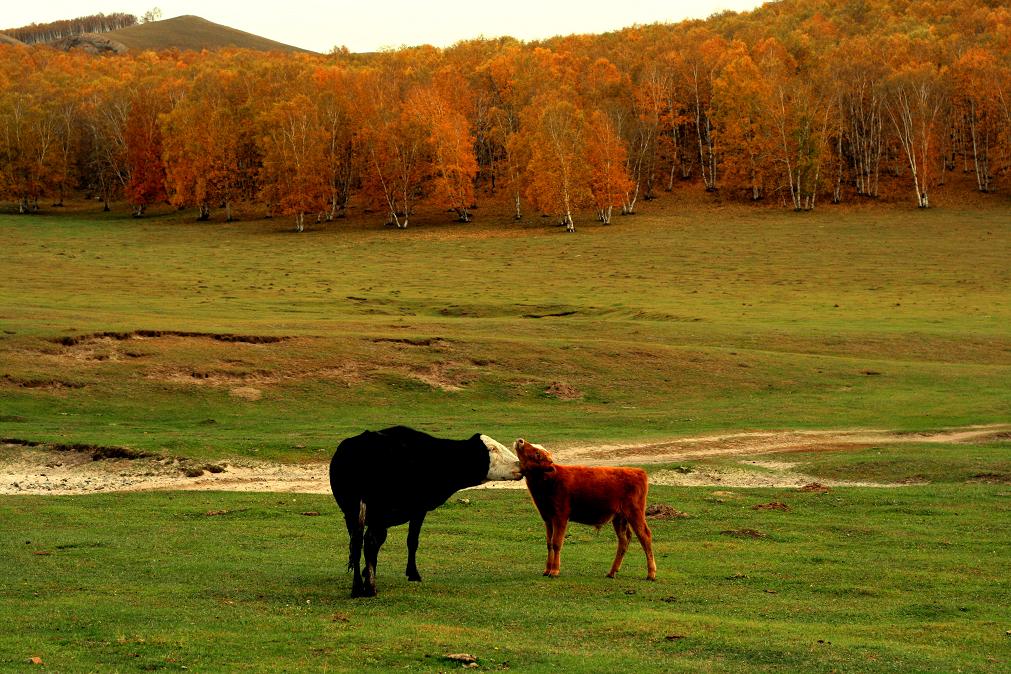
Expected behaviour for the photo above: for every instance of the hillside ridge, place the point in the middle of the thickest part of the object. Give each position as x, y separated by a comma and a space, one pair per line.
7, 39
193, 32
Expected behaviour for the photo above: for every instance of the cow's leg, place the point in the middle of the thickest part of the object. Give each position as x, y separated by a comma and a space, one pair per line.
413, 534
547, 531
355, 522
638, 521
624, 534
375, 536
555, 549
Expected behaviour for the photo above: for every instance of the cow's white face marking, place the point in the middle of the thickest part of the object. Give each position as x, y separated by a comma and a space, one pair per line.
502, 463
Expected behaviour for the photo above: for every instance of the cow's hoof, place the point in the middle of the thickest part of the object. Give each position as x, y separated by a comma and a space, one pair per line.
610, 575
363, 591
416, 578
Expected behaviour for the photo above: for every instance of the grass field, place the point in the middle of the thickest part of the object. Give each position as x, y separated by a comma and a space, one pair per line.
661, 324
221, 340
894, 579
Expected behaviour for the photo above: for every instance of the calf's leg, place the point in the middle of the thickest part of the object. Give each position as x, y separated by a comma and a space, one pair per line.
374, 538
645, 536
413, 534
547, 563
555, 547
624, 535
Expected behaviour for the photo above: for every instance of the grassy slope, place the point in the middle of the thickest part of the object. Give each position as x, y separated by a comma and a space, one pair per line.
192, 32
909, 579
677, 323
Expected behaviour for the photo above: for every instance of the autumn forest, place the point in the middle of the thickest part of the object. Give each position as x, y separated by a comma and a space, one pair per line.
798, 103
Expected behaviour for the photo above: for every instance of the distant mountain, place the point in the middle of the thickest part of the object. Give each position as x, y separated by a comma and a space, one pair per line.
192, 32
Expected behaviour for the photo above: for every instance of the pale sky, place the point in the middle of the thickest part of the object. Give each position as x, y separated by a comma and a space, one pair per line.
369, 25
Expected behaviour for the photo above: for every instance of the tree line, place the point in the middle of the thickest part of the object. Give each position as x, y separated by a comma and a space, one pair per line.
798, 102
53, 31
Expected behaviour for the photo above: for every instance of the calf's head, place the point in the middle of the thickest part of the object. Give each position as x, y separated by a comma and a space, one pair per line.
533, 458
502, 464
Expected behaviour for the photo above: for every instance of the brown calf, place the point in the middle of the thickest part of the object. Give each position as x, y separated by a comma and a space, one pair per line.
588, 495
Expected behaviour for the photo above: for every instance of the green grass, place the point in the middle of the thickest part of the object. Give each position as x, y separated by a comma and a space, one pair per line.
904, 579
675, 322
670, 323
912, 463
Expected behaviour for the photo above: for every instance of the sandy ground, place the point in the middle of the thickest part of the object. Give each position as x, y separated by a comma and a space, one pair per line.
38, 470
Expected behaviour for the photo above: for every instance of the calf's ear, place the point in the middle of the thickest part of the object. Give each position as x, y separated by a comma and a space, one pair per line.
538, 463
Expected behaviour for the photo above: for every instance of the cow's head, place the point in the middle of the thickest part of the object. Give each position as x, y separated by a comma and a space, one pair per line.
533, 458
502, 464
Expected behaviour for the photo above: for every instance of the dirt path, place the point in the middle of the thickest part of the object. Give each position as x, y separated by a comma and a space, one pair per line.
26, 470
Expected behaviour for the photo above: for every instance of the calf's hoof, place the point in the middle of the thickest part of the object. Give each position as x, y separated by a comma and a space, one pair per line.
414, 577
358, 592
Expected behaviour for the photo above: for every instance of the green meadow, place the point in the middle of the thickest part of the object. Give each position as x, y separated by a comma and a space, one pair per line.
228, 340
670, 322
891, 579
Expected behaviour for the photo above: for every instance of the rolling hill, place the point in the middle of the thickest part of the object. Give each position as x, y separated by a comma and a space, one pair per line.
192, 32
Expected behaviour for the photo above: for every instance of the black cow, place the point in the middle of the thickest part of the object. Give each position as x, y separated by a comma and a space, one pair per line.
384, 478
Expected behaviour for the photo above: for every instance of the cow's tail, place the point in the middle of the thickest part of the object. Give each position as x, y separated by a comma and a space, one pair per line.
356, 537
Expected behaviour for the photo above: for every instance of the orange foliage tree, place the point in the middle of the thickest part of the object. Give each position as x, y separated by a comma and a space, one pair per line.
331, 86
914, 101
28, 134
606, 157
149, 98
394, 141
453, 165
976, 100
558, 175
208, 140
295, 160
743, 101
105, 109
804, 99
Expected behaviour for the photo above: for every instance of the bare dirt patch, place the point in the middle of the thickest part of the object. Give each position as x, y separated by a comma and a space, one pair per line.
774, 505
764, 442
76, 340
442, 376
246, 393
563, 391
41, 384
662, 511
34, 468
744, 533
38, 470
